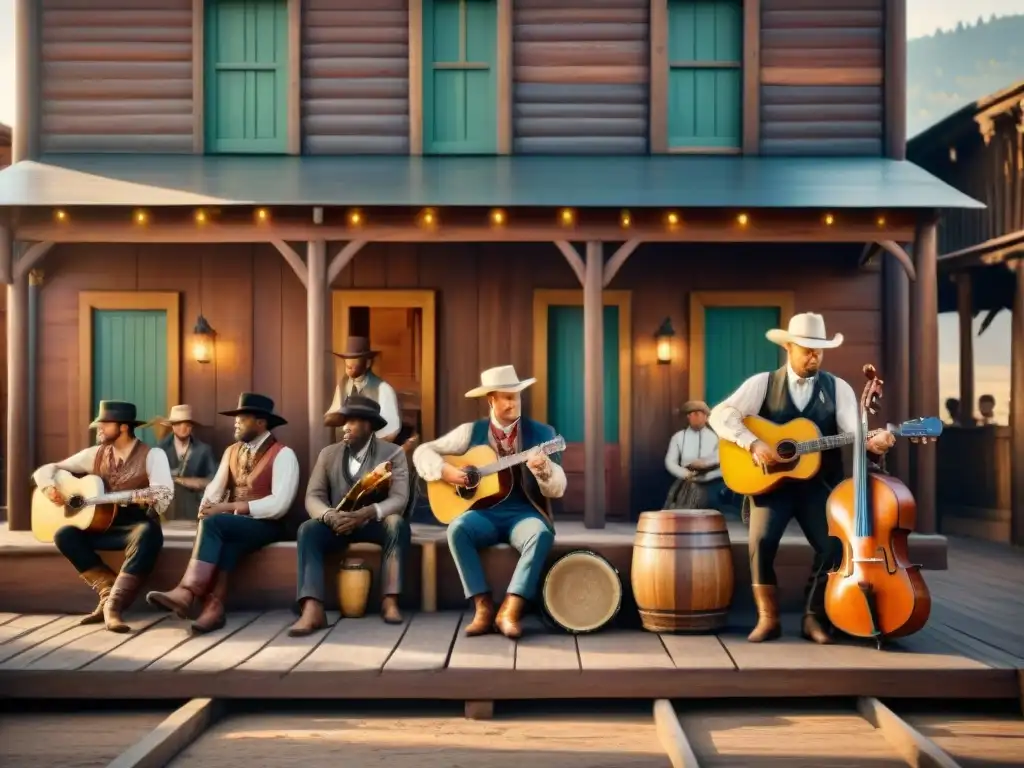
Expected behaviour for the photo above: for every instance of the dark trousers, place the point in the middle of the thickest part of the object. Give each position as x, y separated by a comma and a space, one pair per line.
770, 513
224, 539
316, 540
139, 536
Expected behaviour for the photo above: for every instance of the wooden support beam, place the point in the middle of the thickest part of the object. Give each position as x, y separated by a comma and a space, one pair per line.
294, 261
751, 77
29, 258
503, 74
198, 77
341, 259
573, 257
19, 493
672, 736
415, 57
618, 259
924, 354
897, 252
896, 350
294, 103
907, 741
657, 90
1017, 412
316, 347
160, 746
871, 250
594, 489
965, 313
25, 138
6, 255
895, 79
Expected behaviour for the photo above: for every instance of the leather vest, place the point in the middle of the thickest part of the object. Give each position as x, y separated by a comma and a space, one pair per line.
251, 477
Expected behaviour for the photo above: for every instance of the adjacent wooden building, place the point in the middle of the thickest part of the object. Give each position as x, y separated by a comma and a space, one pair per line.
471, 183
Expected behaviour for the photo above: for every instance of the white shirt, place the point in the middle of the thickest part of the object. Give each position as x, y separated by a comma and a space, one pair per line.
387, 399
284, 482
727, 417
158, 470
689, 445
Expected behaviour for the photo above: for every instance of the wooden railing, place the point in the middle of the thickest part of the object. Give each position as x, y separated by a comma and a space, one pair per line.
974, 482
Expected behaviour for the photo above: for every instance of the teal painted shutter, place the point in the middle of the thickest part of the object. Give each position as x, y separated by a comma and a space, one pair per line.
565, 372
246, 76
129, 362
460, 85
735, 348
705, 81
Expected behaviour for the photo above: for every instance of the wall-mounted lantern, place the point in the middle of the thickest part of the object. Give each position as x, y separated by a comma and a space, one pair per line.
202, 341
663, 339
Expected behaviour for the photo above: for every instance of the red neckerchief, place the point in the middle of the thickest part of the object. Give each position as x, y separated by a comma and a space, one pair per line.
506, 444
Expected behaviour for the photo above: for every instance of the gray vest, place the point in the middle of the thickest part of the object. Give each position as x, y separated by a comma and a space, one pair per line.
371, 388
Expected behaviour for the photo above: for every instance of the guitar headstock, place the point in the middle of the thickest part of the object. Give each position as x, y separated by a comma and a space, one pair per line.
920, 431
872, 389
554, 445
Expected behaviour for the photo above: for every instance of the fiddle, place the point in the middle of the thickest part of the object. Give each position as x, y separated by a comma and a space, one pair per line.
876, 592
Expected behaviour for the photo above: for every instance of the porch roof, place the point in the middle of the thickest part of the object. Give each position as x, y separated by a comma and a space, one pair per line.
639, 181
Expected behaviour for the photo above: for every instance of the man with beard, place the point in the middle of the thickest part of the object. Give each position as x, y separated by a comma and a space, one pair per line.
382, 521
241, 511
361, 380
124, 463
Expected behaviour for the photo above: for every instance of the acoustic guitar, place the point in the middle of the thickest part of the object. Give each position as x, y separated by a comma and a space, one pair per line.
490, 479
798, 445
88, 506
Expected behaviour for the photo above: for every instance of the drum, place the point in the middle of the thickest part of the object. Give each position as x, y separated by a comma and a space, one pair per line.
682, 571
582, 592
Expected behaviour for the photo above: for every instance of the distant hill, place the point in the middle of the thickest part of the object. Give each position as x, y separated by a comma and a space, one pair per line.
947, 70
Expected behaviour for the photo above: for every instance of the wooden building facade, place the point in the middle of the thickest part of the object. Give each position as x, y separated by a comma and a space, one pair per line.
471, 183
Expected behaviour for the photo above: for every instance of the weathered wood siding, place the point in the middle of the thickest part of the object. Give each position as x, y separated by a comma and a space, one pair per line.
116, 76
580, 76
485, 318
821, 73
355, 76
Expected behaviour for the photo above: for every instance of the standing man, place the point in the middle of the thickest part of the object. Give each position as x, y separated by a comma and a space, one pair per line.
523, 519
124, 463
191, 461
798, 389
240, 512
361, 380
692, 458
382, 520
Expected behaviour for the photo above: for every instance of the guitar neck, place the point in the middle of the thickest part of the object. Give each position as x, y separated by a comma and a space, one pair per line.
505, 462
830, 442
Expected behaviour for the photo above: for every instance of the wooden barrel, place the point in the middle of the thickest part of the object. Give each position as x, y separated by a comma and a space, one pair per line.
682, 571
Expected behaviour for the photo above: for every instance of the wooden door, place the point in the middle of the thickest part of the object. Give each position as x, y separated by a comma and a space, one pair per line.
735, 347
396, 332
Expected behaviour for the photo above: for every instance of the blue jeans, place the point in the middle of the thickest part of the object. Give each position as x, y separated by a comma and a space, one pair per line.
526, 531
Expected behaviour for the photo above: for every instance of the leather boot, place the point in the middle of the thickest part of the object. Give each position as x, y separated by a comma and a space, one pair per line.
101, 581
510, 617
212, 616
122, 595
768, 627
814, 622
389, 610
312, 619
483, 619
194, 584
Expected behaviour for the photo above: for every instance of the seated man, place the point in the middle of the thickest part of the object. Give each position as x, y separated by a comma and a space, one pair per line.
241, 511
124, 463
522, 520
383, 519
192, 462
692, 458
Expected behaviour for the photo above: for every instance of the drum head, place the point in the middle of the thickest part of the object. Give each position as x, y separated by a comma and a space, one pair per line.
582, 592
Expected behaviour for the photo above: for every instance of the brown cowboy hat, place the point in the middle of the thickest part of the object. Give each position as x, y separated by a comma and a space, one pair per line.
696, 405
357, 347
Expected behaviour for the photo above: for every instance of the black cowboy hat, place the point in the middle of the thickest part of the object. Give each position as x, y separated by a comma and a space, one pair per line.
260, 406
116, 411
356, 347
357, 407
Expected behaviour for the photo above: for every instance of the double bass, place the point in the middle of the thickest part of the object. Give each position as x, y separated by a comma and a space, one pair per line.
876, 592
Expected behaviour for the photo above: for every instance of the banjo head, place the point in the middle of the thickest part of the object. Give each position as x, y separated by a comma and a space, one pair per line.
582, 592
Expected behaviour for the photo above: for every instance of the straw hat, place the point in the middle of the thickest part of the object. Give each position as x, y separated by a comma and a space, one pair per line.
696, 405
179, 414
500, 379
806, 330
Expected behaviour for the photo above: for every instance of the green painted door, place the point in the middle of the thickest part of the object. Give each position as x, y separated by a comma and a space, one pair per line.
705, 81
129, 362
460, 83
565, 372
246, 76
735, 348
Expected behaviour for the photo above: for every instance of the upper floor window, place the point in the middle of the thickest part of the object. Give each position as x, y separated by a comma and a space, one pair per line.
705, 80
459, 77
246, 76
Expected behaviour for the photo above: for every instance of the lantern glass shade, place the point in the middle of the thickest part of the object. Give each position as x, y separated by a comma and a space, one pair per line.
202, 341
663, 342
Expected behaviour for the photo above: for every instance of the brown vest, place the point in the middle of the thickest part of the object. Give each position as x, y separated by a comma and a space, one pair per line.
131, 475
252, 479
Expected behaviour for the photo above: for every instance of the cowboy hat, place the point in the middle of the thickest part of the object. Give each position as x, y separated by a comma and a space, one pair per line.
115, 411
178, 415
357, 347
696, 405
356, 407
806, 330
259, 406
500, 379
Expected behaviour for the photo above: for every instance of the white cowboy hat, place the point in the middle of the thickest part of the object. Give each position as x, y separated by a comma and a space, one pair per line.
806, 330
179, 414
500, 379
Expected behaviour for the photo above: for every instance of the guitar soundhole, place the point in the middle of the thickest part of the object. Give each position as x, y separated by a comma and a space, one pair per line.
786, 450
473, 480
75, 503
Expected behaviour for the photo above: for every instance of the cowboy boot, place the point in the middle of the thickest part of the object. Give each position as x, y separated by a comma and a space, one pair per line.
212, 616
483, 619
312, 619
814, 621
768, 626
101, 581
194, 584
121, 597
510, 617
389, 610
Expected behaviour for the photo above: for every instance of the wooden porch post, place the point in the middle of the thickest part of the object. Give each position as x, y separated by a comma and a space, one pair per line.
896, 298
965, 311
924, 351
316, 345
19, 513
25, 138
1017, 412
593, 388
